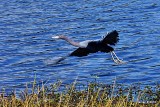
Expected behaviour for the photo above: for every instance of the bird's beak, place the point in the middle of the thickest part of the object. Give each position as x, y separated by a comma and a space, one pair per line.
55, 37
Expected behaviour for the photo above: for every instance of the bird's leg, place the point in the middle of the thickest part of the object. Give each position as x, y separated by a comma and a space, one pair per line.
117, 60
114, 58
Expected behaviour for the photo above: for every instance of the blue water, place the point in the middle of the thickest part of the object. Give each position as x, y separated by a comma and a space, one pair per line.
27, 51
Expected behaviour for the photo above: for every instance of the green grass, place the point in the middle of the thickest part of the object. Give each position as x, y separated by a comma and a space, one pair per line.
76, 95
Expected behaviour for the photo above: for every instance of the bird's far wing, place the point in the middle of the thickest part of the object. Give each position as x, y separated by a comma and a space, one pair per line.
111, 38
80, 52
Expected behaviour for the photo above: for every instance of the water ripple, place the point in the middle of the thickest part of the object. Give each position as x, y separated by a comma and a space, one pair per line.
27, 49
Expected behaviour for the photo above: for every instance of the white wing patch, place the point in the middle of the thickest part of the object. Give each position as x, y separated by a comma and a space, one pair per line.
84, 44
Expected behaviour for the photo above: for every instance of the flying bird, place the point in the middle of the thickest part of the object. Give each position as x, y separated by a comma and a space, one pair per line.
92, 46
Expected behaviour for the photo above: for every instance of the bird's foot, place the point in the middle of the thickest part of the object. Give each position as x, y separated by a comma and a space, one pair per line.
118, 61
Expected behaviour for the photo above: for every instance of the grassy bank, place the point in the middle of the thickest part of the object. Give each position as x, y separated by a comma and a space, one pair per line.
75, 95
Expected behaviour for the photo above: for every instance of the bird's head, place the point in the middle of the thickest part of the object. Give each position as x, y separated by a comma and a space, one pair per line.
55, 37
58, 37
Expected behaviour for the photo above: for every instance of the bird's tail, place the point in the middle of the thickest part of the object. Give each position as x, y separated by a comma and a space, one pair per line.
111, 38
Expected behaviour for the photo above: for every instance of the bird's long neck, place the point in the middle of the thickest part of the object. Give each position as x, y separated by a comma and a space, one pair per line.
70, 41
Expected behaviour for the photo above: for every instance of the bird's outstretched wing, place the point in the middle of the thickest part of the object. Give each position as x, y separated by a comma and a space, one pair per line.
111, 38
80, 52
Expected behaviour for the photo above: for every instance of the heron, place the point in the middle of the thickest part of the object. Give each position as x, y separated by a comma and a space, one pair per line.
87, 47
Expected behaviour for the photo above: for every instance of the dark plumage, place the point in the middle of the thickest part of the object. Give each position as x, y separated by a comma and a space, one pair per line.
111, 38
93, 46
100, 45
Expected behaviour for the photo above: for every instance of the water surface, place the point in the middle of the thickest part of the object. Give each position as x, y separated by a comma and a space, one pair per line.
27, 49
